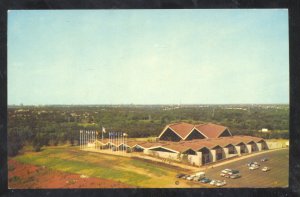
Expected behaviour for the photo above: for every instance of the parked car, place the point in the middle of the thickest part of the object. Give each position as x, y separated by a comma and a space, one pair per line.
223, 174
179, 175
200, 174
205, 180
234, 172
213, 182
191, 177
197, 178
264, 159
265, 169
250, 163
255, 163
226, 170
253, 167
235, 176
185, 176
220, 183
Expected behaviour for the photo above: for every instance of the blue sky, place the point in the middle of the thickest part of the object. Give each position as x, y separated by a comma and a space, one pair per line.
148, 56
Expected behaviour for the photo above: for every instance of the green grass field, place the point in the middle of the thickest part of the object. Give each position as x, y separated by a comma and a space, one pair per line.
126, 170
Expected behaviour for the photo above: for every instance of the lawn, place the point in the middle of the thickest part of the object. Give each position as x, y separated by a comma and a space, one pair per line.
126, 170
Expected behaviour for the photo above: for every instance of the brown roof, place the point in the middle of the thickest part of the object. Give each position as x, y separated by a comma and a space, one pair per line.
176, 147
182, 128
150, 144
210, 143
211, 130
196, 144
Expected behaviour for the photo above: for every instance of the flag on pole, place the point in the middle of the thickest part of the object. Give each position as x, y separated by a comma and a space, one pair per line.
103, 130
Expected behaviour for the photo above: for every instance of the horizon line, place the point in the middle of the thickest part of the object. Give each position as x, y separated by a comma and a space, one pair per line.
24, 105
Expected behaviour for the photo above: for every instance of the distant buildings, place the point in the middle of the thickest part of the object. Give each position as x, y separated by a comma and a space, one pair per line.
264, 130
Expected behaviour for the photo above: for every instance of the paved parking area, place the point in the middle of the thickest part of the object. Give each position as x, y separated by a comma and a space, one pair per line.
276, 177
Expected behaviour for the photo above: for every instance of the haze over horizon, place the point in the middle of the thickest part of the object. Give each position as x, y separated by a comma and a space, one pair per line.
115, 57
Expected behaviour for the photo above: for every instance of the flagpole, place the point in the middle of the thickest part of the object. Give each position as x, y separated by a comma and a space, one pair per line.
112, 140
118, 141
109, 140
83, 145
79, 139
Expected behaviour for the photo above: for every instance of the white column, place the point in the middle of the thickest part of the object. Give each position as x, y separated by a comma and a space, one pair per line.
238, 149
259, 145
249, 147
199, 159
214, 155
226, 151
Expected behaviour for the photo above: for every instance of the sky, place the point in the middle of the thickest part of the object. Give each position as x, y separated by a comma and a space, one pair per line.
148, 56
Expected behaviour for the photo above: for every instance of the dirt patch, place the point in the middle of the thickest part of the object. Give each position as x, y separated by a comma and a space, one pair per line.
26, 176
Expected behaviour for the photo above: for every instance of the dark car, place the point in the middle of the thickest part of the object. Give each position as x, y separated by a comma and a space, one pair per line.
180, 175
205, 180
235, 172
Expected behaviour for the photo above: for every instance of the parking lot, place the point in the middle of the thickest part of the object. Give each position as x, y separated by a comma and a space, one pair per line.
276, 177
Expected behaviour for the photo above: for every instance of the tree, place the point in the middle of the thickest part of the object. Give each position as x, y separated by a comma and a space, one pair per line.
37, 143
15, 143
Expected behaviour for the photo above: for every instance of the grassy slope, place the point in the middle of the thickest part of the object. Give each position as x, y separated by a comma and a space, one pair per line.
126, 170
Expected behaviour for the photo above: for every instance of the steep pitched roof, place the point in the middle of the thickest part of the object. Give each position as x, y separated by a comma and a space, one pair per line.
182, 129
211, 130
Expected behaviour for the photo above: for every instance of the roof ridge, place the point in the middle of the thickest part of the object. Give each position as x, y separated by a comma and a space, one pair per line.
176, 123
201, 124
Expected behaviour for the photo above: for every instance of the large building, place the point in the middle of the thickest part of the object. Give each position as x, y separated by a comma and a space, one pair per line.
185, 131
196, 144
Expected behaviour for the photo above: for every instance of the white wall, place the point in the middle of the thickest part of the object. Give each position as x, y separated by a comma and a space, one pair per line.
192, 159
274, 145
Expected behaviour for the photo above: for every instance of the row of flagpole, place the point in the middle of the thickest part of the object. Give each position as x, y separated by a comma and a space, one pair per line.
89, 139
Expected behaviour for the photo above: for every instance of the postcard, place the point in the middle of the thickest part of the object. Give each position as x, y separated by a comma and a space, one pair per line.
184, 98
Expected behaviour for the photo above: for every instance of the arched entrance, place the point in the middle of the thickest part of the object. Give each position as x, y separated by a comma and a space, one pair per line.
206, 155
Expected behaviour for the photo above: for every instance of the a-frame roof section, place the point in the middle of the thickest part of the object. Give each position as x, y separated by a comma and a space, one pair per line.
182, 129
195, 129
211, 130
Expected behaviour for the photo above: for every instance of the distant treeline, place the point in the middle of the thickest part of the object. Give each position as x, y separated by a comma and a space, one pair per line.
51, 125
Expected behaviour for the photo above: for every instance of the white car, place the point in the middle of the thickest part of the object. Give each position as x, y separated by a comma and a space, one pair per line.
226, 171
265, 169
196, 178
213, 182
220, 183
190, 177
253, 167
